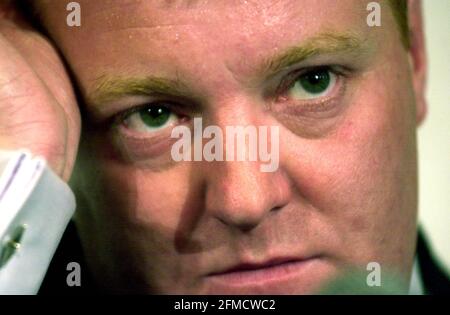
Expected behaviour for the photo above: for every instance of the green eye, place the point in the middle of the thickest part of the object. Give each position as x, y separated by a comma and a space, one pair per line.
316, 81
313, 84
150, 119
155, 117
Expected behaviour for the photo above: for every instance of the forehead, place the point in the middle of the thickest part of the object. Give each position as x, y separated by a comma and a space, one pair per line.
243, 16
160, 37
218, 21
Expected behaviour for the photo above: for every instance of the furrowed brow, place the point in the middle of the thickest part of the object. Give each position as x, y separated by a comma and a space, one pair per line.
327, 43
112, 88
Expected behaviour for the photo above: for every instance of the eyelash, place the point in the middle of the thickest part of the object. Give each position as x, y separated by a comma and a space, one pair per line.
282, 102
176, 108
294, 76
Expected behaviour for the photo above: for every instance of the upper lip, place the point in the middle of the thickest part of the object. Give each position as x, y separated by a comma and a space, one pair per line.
250, 266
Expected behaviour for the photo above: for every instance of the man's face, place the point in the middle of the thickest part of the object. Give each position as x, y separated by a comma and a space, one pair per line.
340, 92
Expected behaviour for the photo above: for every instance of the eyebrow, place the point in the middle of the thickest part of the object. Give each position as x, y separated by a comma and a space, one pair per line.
326, 43
110, 88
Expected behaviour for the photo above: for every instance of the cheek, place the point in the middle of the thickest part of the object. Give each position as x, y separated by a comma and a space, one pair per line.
361, 177
142, 197
134, 216
122, 196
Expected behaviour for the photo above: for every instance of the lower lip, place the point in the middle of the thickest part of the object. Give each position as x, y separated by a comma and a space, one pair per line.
263, 276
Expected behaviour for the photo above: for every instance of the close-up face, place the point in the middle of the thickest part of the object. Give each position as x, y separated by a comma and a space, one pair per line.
343, 95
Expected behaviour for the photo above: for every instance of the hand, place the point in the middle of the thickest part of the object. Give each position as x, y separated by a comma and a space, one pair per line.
38, 108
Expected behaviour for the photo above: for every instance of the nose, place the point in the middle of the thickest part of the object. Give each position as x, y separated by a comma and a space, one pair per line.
241, 196
238, 193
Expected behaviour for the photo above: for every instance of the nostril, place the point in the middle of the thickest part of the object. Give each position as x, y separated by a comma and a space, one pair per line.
274, 209
247, 227
242, 225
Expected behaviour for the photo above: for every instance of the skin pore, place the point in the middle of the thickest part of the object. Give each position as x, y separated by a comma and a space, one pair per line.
344, 194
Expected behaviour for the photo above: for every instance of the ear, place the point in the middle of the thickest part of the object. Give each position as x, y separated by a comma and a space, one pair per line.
417, 54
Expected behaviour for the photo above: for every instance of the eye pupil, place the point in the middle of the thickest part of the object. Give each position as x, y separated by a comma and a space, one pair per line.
316, 81
155, 116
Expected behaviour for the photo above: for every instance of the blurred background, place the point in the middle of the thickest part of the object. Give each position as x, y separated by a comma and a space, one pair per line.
434, 134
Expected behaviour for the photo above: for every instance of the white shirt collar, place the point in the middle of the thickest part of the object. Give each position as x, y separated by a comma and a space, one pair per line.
416, 284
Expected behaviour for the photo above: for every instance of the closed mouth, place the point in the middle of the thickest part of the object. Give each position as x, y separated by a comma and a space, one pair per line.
259, 273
